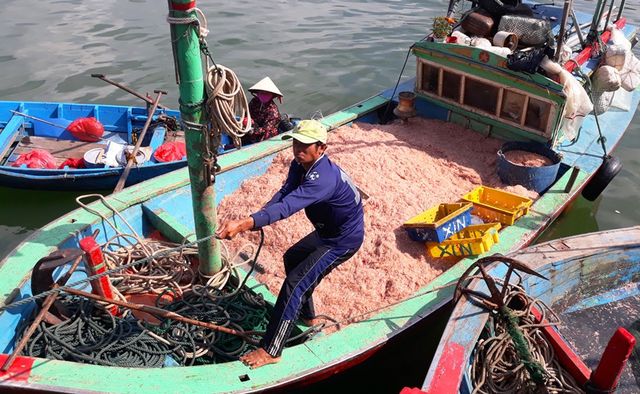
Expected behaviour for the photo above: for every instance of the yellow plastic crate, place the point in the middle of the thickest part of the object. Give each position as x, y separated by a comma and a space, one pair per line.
473, 240
494, 205
439, 223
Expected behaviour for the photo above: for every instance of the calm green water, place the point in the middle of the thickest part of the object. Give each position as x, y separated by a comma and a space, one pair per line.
322, 55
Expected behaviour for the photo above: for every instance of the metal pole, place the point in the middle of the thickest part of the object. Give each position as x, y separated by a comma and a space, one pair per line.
597, 14
578, 27
146, 98
606, 24
136, 148
563, 25
621, 9
191, 86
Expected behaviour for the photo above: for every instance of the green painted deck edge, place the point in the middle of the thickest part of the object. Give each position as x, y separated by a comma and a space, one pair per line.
324, 350
353, 112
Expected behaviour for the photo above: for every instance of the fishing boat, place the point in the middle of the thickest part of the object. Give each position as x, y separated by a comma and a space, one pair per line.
98, 164
590, 282
161, 208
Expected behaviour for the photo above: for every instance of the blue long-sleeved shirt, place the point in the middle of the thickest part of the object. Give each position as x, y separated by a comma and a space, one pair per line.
330, 199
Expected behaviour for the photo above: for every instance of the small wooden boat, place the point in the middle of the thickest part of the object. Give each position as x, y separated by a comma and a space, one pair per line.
591, 284
163, 205
25, 126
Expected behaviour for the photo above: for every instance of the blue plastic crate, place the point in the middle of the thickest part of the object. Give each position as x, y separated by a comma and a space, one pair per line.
439, 223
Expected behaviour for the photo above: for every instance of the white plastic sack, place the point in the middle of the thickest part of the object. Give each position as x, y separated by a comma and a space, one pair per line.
630, 74
565, 54
550, 67
622, 100
501, 51
602, 102
618, 38
606, 79
616, 56
461, 38
480, 42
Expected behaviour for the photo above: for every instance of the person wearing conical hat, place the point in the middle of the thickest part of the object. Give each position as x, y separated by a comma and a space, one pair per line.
264, 111
333, 204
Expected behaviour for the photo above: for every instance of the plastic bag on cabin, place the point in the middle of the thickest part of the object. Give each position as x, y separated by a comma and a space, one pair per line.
527, 61
578, 104
72, 163
170, 151
86, 129
37, 158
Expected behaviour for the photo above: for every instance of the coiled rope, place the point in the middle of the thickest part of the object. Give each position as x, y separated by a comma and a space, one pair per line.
226, 103
94, 337
517, 357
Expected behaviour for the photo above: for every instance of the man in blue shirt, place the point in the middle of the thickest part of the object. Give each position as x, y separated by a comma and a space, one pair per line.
333, 205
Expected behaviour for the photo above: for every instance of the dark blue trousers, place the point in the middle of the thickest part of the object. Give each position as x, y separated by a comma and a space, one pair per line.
306, 263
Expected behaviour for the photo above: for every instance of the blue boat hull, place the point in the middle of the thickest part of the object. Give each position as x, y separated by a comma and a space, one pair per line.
121, 124
593, 285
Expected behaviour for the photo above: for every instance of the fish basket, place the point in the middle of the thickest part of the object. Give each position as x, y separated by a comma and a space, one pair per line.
439, 223
473, 240
494, 205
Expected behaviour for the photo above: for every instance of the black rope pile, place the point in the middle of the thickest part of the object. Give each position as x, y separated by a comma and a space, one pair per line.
96, 337
91, 335
241, 310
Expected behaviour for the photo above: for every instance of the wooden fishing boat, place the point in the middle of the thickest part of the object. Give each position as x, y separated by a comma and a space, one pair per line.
32, 125
26, 126
163, 205
592, 285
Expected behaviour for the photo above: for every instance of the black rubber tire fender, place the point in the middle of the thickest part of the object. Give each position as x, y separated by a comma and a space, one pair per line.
610, 167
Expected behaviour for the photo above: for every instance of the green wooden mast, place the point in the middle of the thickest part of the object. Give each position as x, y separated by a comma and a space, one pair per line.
189, 74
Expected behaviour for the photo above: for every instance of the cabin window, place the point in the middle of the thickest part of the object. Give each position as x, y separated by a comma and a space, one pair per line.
537, 114
430, 77
480, 95
451, 85
512, 106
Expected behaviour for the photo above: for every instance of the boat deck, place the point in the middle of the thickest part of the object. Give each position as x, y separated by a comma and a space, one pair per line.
60, 149
63, 149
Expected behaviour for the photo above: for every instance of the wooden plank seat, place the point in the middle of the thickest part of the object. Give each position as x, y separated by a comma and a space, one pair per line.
60, 149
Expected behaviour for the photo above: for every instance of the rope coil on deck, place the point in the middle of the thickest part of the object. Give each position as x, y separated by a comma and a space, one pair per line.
517, 357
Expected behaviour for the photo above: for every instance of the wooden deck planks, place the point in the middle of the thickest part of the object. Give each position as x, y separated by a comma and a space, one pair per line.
60, 149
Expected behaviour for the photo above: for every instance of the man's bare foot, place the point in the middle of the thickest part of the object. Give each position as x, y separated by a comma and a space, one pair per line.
258, 358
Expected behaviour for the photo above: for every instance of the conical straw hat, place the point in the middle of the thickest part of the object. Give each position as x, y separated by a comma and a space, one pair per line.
266, 85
